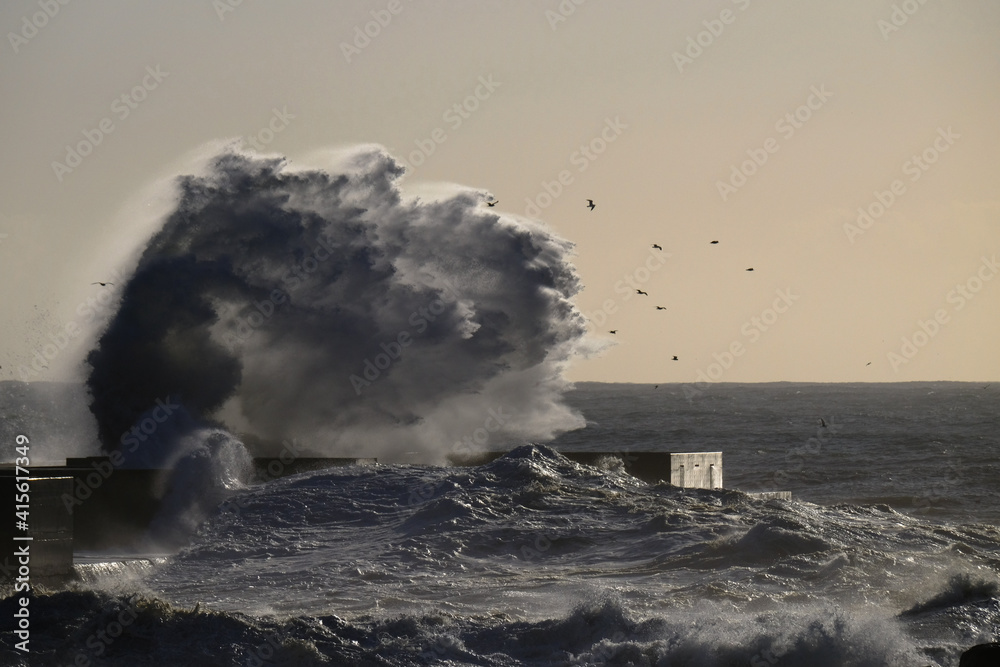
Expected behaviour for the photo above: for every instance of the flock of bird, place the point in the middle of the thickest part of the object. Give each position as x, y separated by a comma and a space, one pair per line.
491, 202
591, 205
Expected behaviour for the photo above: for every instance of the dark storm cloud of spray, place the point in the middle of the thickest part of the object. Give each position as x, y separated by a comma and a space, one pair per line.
268, 288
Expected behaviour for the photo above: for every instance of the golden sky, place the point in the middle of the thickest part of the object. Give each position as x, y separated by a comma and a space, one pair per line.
845, 151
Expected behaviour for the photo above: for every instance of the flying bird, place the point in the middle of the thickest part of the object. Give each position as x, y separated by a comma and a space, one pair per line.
613, 331
657, 247
493, 203
713, 242
102, 284
591, 205
675, 358
639, 291
660, 308
750, 269
868, 364
822, 422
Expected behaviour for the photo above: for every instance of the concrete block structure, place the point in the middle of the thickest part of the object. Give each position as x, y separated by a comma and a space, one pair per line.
50, 526
691, 470
696, 470
89, 505
771, 495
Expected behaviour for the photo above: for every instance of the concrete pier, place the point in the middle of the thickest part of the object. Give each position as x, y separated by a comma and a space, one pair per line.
89, 505
696, 470
50, 527
771, 495
105, 507
690, 470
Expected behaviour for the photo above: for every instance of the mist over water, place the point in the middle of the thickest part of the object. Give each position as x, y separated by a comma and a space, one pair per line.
53, 415
328, 308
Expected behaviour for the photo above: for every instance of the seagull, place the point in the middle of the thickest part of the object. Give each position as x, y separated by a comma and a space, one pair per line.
750, 269
639, 291
102, 284
675, 358
591, 205
660, 308
493, 203
657, 247
613, 331
713, 242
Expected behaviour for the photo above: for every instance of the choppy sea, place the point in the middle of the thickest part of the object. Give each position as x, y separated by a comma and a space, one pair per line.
887, 554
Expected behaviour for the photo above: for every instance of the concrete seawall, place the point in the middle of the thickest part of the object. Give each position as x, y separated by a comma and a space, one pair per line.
50, 527
689, 470
88, 505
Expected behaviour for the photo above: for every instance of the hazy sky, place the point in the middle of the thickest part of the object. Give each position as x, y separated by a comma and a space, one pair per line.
765, 126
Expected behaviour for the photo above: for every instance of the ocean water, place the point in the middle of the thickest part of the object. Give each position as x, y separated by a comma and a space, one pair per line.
888, 553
